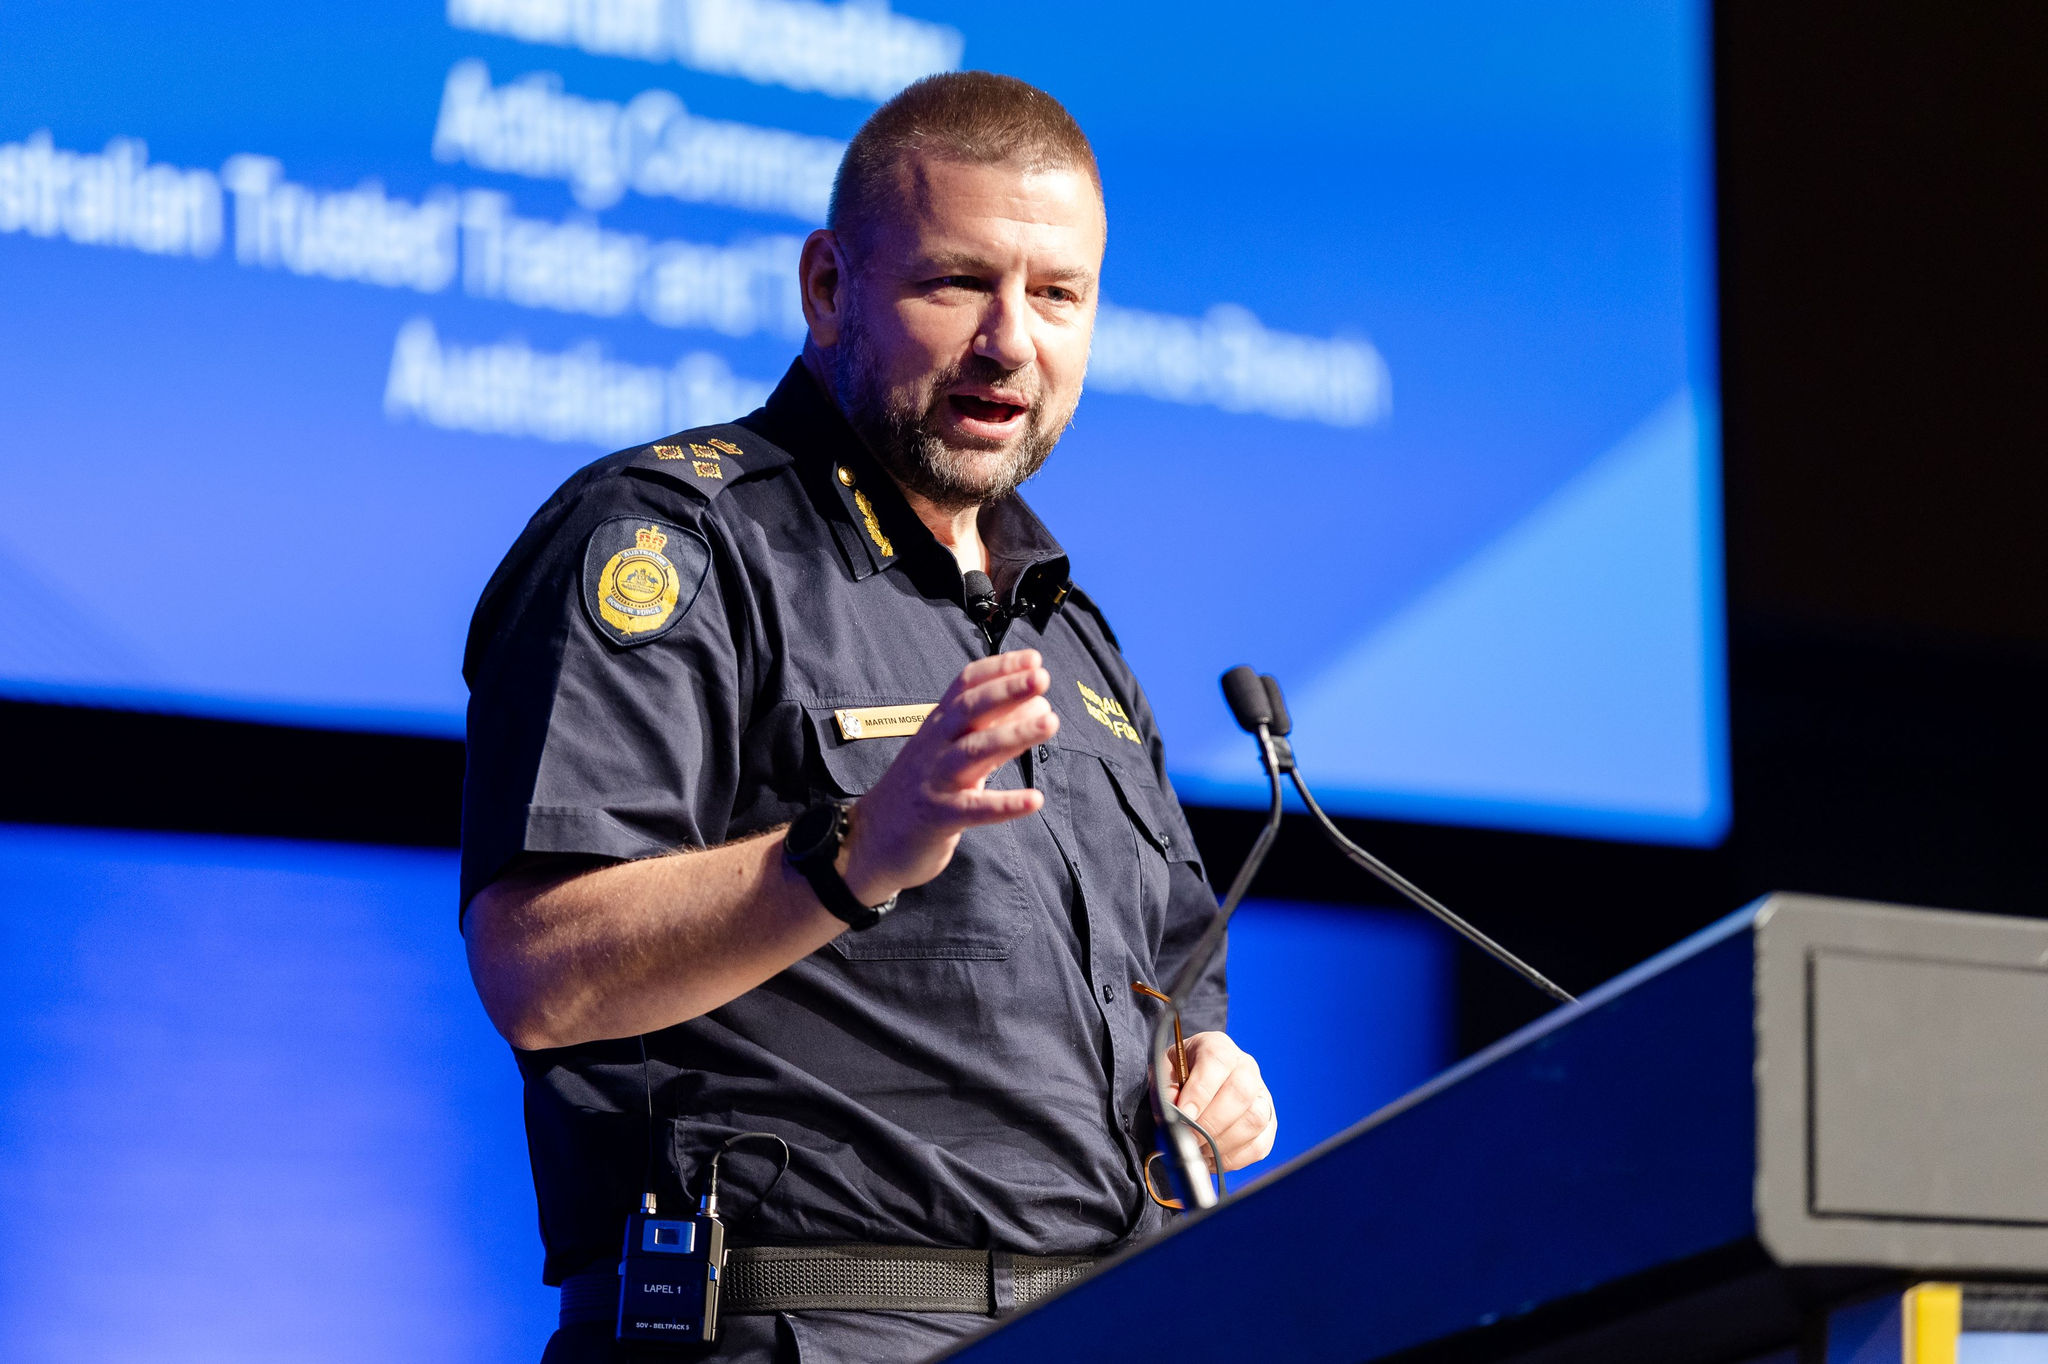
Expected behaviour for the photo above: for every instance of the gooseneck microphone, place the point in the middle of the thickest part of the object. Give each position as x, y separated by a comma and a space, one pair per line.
1255, 702
1252, 705
1403, 886
1250, 702
1281, 726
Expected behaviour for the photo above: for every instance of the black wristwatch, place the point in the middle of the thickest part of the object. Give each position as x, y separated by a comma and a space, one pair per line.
812, 847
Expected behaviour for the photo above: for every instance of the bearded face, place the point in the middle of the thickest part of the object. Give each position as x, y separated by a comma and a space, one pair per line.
913, 427
962, 322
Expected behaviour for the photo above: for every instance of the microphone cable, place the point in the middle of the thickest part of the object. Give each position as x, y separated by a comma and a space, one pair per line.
708, 1204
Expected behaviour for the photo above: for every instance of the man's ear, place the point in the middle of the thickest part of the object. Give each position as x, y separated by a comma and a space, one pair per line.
822, 279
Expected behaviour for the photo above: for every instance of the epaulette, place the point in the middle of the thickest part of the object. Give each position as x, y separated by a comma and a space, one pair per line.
1087, 603
708, 459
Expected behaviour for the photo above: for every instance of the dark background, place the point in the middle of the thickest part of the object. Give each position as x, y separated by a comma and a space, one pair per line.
1881, 218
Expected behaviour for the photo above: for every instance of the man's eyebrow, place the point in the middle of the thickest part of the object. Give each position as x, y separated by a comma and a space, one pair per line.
1069, 274
966, 263
953, 263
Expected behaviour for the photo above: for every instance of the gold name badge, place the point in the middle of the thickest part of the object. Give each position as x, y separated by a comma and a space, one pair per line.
881, 722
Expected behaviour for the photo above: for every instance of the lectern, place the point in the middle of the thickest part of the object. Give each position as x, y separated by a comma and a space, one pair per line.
1814, 1112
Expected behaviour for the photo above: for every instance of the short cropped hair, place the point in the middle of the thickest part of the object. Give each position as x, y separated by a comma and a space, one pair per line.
973, 116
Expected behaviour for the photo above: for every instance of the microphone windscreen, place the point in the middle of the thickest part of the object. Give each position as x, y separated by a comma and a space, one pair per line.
1281, 725
1247, 697
977, 585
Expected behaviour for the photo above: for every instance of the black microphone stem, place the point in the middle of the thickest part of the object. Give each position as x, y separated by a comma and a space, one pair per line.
1256, 704
1423, 900
1183, 1155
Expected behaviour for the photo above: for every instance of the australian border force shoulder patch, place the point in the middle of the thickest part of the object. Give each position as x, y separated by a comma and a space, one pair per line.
641, 576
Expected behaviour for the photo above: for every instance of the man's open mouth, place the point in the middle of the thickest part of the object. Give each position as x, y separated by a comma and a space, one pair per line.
984, 409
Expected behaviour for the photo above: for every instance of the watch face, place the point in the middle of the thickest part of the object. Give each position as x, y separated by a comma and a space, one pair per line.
812, 832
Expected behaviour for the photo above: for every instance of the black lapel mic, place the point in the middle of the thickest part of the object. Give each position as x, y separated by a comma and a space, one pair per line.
980, 594
1276, 709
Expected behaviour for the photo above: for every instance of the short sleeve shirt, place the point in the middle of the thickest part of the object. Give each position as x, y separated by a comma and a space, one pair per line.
691, 642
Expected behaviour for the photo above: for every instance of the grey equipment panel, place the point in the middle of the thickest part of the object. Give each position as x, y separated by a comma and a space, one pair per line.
1927, 1080
1902, 1068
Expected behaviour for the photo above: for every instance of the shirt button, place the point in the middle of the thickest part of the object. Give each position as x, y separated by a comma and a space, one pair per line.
1045, 753
1109, 994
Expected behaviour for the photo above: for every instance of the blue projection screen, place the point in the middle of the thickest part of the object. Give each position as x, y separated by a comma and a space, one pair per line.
1403, 387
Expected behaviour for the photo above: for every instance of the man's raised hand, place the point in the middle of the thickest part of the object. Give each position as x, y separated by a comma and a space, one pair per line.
904, 830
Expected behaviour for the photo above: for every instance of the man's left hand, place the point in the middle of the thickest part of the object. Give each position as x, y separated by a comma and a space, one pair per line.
1225, 1094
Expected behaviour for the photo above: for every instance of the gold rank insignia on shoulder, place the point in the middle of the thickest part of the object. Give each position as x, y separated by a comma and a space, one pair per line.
1108, 712
704, 456
641, 576
874, 524
881, 722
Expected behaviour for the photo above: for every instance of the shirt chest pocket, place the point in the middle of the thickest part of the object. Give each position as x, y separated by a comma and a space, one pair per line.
1129, 833
971, 911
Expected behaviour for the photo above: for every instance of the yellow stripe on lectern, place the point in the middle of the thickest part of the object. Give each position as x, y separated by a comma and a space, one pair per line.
1933, 1318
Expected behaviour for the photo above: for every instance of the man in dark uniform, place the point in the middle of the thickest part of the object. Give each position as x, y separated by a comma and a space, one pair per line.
836, 618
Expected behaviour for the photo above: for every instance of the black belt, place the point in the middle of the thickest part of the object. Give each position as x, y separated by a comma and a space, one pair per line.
855, 1278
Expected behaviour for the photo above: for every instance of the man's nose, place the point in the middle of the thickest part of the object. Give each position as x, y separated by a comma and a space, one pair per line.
1005, 335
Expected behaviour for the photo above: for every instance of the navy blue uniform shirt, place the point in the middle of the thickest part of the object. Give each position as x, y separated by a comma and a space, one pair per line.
692, 641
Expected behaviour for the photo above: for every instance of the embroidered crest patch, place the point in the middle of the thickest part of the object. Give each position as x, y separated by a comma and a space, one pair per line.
640, 577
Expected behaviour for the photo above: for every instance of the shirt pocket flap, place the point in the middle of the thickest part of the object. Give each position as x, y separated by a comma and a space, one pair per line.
973, 910
851, 766
1152, 812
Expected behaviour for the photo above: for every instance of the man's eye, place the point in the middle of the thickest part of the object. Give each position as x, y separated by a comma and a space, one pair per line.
1059, 294
957, 282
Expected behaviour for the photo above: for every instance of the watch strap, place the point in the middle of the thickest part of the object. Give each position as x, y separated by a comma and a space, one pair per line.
818, 866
